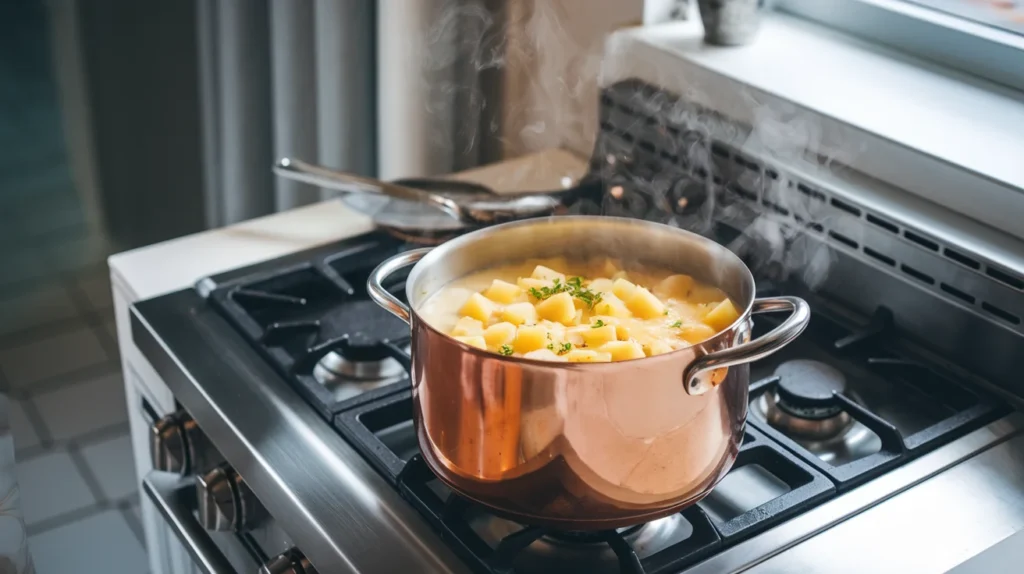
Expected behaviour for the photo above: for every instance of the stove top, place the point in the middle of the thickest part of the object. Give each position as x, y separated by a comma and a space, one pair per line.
849, 401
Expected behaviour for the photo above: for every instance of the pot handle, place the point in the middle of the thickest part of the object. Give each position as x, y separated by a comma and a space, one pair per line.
375, 284
779, 337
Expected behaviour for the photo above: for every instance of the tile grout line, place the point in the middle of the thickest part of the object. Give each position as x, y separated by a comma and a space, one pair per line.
53, 383
133, 523
64, 519
47, 330
87, 439
28, 407
91, 316
91, 482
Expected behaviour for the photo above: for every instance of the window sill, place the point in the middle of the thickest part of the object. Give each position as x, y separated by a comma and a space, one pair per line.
953, 139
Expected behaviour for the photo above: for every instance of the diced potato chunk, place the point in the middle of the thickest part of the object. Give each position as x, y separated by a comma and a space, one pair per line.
657, 347
519, 314
695, 332
644, 304
674, 286
546, 273
500, 334
574, 335
545, 355
623, 289
623, 350
479, 307
467, 326
473, 341
722, 315
555, 309
556, 331
530, 338
612, 306
559, 308
527, 283
597, 336
503, 292
587, 356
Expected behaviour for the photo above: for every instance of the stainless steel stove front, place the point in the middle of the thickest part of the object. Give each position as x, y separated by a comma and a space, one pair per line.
217, 519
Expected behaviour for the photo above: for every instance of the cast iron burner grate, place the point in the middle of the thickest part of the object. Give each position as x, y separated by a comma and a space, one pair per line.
766, 486
887, 406
301, 310
314, 322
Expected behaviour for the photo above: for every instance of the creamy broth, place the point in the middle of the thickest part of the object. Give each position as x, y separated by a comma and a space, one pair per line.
596, 311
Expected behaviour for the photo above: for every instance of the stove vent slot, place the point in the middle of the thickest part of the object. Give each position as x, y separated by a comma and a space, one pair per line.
921, 240
846, 207
654, 132
1005, 278
919, 275
967, 298
875, 220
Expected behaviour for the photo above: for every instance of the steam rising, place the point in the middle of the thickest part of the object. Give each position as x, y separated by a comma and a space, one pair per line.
477, 51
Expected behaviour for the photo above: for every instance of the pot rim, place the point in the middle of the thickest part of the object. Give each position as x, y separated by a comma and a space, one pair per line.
438, 253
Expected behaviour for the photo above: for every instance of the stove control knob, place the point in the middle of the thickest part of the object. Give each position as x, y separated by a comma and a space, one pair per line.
225, 502
177, 445
168, 443
291, 562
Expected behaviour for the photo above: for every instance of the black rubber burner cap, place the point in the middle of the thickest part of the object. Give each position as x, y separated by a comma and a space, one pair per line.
806, 389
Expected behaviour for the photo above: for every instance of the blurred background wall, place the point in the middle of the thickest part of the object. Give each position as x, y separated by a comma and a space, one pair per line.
174, 111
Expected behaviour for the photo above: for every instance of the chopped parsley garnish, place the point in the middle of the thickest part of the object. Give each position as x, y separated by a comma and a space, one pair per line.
561, 349
598, 323
573, 286
666, 312
676, 325
505, 350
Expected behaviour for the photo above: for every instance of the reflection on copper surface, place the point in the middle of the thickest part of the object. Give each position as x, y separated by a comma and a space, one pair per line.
579, 449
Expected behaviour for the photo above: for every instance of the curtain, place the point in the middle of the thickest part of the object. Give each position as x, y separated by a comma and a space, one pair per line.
386, 88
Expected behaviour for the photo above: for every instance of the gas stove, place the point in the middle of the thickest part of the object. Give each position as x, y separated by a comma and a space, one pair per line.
295, 385
849, 401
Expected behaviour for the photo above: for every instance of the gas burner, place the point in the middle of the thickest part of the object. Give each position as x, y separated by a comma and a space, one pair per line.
349, 376
804, 403
615, 551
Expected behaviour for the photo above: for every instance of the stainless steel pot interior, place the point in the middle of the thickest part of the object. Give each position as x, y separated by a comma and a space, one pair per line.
581, 237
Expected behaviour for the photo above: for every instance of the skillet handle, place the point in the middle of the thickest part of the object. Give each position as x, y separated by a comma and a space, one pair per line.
375, 284
779, 337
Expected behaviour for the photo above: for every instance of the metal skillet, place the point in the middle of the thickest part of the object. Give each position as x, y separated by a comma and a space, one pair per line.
432, 210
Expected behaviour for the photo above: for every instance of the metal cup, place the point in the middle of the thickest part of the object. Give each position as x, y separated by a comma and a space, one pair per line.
730, 22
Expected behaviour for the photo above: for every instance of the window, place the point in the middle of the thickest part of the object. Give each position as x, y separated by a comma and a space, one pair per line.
1006, 15
984, 38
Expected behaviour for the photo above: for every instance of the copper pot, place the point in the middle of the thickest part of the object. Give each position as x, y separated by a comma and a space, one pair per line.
582, 446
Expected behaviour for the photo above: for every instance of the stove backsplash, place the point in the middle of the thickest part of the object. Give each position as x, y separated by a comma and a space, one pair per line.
660, 162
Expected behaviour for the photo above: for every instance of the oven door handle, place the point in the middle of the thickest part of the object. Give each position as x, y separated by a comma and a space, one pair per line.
175, 498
